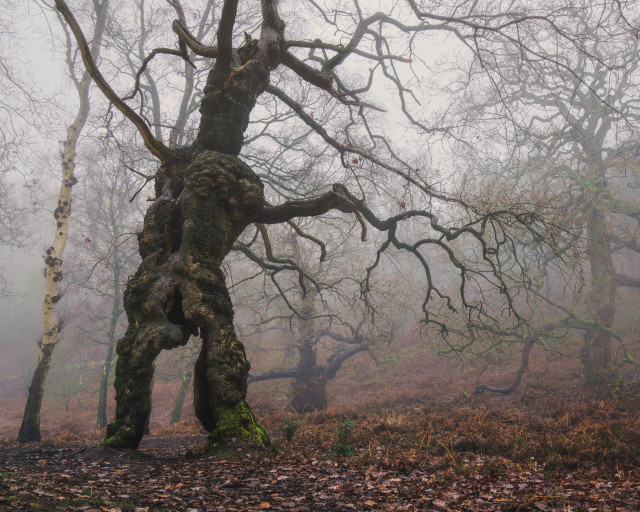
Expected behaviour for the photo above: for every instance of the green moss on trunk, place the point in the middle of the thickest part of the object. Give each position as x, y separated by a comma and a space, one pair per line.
179, 290
239, 422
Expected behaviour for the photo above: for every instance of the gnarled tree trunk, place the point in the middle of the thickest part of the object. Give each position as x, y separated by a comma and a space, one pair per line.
206, 197
179, 290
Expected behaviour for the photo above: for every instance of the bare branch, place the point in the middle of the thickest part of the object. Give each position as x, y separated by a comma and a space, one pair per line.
157, 148
149, 58
524, 368
276, 374
225, 32
192, 43
627, 281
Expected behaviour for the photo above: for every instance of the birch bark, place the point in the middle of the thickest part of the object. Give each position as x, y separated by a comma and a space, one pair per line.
30, 428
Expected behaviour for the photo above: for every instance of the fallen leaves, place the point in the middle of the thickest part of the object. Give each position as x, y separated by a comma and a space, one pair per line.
102, 480
412, 460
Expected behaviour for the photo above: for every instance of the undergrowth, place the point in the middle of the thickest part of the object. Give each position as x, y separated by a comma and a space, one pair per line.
558, 435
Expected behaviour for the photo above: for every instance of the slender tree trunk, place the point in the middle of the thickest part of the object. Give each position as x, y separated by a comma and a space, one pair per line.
178, 401
30, 428
116, 311
147, 430
104, 385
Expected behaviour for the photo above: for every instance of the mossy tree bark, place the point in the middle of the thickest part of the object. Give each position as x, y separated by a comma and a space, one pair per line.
179, 289
206, 197
30, 427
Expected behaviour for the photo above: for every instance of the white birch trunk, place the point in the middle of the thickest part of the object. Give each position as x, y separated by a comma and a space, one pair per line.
30, 428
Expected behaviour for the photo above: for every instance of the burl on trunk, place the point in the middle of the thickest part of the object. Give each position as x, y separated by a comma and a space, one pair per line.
179, 290
206, 197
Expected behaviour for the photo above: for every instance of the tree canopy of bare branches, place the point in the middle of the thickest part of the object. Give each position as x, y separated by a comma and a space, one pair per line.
324, 110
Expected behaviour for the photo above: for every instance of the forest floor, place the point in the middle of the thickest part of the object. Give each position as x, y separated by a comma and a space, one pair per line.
400, 442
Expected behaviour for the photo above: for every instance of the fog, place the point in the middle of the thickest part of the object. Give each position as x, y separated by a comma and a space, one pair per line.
447, 198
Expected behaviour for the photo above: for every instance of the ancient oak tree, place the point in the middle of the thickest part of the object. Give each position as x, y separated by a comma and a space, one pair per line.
206, 195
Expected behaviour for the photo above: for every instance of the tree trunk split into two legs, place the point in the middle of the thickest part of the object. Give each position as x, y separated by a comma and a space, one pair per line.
179, 290
206, 197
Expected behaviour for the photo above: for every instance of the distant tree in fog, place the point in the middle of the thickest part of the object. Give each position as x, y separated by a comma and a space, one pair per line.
318, 314
105, 255
571, 128
22, 113
186, 361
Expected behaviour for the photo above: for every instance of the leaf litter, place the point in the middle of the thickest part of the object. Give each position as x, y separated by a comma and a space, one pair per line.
578, 452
